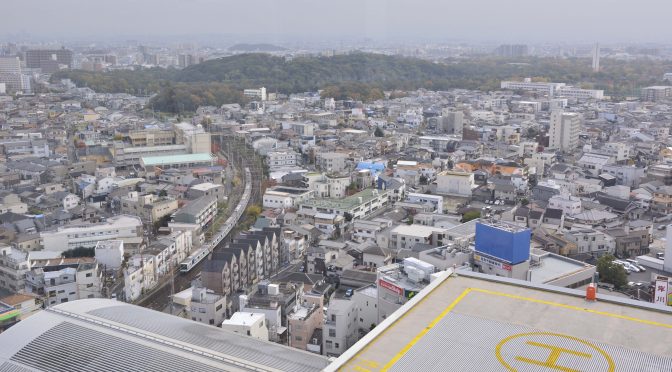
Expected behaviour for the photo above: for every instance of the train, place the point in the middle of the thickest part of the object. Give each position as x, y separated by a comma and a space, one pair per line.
190, 262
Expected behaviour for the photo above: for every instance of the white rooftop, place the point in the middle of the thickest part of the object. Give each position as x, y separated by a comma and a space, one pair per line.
244, 318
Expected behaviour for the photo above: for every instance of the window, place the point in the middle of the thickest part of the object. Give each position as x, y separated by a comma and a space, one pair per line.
88, 275
298, 338
336, 345
332, 332
219, 307
248, 333
89, 285
333, 317
212, 321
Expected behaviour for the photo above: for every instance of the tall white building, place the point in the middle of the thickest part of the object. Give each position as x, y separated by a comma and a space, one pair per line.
596, 58
12, 76
564, 131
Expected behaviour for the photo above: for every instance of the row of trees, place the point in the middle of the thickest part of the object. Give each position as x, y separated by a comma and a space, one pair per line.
360, 76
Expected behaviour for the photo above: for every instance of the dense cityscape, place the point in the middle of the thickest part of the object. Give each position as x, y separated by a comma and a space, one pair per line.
238, 204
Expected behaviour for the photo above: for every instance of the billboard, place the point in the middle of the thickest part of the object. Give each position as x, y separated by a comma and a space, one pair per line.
662, 292
506, 242
391, 287
491, 262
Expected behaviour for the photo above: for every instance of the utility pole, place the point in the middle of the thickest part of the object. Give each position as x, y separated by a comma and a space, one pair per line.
172, 286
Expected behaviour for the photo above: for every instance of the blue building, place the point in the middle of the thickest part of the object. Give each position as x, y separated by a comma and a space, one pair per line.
507, 242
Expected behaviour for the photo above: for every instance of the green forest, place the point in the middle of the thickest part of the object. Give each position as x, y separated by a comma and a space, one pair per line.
358, 76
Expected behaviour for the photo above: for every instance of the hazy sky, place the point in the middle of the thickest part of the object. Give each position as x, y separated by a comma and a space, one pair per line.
472, 20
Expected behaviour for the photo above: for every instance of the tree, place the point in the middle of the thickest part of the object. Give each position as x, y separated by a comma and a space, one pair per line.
379, 132
471, 215
611, 272
253, 211
79, 252
524, 201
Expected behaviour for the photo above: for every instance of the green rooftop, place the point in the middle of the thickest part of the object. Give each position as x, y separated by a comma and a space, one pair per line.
346, 203
178, 159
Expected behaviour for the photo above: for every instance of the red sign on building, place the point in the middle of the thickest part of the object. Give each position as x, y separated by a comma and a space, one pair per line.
391, 287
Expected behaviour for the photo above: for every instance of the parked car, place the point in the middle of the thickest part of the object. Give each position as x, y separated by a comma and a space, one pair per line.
636, 264
349, 292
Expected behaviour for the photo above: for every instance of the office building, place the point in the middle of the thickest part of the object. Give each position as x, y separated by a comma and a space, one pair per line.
527, 85
49, 60
12, 75
656, 93
178, 161
564, 131
10, 65
259, 94
579, 93
121, 227
512, 50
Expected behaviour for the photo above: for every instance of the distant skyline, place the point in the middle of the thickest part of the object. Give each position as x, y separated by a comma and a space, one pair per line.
524, 21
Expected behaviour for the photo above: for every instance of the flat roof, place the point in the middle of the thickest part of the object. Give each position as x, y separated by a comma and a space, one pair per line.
478, 322
176, 159
416, 230
553, 267
346, 203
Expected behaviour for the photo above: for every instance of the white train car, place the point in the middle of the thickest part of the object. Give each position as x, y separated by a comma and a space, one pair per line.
224, 230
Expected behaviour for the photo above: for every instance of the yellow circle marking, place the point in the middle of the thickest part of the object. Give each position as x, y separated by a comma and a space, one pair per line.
498, 350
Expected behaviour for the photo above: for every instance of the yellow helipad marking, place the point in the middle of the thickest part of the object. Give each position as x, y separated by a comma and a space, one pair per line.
461, 297
551, 361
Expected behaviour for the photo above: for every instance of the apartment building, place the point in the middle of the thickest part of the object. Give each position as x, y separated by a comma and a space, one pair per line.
341, 326
357, 206
456, 183
14, 264
564, 131
331, 162
591, 242
63, 280
206, 306
199, 211
149, 207
249, 324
